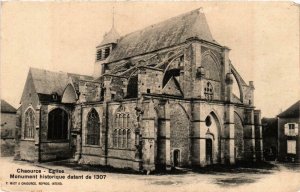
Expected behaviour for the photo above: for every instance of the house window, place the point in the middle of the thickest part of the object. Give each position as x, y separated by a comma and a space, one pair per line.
29, 124
121, 136
291, 129
208, 91
58, 124
291, 146
93, 128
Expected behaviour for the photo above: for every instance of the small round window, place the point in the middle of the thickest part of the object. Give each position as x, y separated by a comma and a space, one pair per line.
208, 121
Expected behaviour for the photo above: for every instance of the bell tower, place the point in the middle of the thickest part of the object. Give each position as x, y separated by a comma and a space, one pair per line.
104, 49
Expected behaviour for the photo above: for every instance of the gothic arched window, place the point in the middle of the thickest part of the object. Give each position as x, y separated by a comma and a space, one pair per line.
208, 91
121, 133
93, 128
29, 124
58, 124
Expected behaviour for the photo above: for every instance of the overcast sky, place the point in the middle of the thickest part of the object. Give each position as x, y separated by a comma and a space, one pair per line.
263, 37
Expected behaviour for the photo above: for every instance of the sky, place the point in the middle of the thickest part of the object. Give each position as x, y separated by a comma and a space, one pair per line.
62, 36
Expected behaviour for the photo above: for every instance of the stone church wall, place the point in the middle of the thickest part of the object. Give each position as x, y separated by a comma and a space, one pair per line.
52, 149
121, 157
92, 154
180, 132
26, 147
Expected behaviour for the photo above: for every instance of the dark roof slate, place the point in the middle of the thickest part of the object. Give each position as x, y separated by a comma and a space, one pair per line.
168, 33
49, 82
292, 111
7, 108
111, 37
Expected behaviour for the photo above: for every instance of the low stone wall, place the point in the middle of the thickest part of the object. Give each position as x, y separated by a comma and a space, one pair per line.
54, 151
27, 150
7, 147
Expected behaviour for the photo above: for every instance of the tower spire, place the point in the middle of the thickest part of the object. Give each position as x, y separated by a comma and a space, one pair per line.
113, 17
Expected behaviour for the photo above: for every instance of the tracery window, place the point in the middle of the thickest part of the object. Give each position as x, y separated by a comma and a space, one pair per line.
93, 128
121, 135
208, 91
58, 124
29, 124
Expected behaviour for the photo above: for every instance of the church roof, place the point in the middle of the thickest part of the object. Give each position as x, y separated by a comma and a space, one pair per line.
292, 111
49, 82
164, 34
111, 37
7, 108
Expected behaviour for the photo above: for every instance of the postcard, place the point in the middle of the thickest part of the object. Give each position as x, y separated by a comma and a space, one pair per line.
150, 96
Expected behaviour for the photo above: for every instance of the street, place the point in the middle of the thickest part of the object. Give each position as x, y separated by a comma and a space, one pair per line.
77, 178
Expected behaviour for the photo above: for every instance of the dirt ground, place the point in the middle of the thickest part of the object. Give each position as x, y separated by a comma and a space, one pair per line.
275, 177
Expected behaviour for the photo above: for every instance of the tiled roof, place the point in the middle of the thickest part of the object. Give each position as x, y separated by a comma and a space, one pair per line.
292, 111
7, 108
164, 34
111, 37
49, 82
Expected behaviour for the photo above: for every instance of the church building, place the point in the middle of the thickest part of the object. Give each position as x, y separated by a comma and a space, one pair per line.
159, 97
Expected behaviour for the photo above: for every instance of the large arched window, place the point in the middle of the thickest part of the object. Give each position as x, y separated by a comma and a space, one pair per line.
121, 135
93, 128
29, 124
132, 87
58, 124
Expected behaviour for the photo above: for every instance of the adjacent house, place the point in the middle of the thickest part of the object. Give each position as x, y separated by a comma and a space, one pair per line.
160, 97
8, 126
288, 134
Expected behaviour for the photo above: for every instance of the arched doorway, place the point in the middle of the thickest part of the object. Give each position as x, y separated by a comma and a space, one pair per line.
58, 124
212, 139
176, 158
209, 150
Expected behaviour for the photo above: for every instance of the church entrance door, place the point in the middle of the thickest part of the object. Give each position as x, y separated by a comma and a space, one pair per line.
176, 157
208, 151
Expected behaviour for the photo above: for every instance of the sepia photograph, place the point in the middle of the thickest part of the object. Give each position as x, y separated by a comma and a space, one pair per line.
150, 96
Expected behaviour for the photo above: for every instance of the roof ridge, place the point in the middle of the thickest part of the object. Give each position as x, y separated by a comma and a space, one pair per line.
159, 23
294, 106
61, 72
7, 107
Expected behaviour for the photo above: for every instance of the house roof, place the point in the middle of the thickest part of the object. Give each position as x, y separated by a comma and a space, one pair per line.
7, 108
164, 34
49, 82
292, 111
